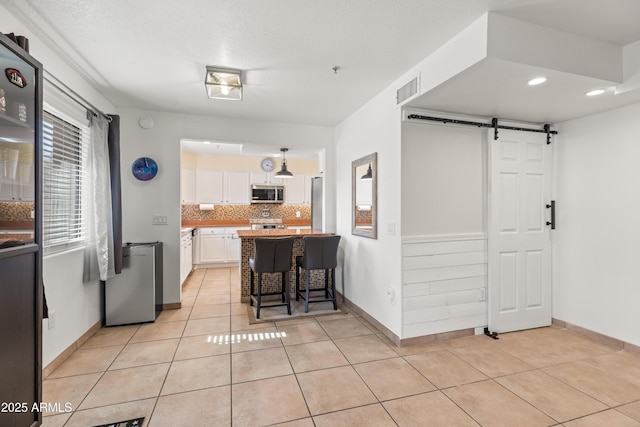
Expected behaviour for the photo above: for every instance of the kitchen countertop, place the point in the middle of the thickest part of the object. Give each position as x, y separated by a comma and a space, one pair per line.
194, 223
280, 232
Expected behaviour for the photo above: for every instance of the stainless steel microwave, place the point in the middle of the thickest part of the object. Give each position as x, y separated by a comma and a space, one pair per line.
266, 193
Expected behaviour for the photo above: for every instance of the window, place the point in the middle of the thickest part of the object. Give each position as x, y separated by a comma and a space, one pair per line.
64, 157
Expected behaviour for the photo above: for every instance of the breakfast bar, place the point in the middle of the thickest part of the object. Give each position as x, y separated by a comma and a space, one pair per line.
272, 283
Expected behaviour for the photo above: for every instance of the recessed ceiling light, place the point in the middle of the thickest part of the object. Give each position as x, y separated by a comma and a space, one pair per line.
537, 81
595, 92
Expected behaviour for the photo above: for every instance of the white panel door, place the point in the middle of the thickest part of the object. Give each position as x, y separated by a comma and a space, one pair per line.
519, 238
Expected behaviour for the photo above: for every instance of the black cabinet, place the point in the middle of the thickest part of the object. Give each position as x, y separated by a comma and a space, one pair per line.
21, 293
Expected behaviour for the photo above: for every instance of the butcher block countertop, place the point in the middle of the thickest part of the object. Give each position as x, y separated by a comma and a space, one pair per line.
280, 232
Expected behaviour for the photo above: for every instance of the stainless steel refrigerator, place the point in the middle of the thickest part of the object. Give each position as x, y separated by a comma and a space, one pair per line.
317, 214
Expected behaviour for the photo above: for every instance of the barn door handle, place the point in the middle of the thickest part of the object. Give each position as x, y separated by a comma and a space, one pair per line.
552, 206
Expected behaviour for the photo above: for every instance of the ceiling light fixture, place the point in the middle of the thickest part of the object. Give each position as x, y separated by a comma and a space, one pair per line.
595, 92
223, 83
537, 81
369, 175
283, 172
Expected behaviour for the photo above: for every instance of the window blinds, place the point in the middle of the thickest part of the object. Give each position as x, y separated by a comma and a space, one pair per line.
64, 173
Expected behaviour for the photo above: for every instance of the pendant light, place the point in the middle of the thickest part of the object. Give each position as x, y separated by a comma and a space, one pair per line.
283, 172
369, 175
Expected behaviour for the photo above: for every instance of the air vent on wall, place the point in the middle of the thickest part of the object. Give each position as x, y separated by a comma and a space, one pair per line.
407, 91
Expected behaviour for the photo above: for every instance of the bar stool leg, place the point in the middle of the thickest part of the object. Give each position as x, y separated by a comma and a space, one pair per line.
326, 283
333, 282
297, 282
252, 290
306, 285
285, 288
259, 295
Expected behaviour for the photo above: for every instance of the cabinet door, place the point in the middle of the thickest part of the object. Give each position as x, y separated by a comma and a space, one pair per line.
233, 243
294, 190
258, 178
7, 190
188, 186
189, 256
212, 248
237, 188
209, 186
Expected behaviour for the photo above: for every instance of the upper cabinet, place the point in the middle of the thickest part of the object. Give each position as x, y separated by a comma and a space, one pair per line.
209, 186
233, 187
219, 187
188, 186
298, 189
236, 188
265, 178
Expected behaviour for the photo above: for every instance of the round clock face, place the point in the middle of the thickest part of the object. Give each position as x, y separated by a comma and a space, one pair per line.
266, 165
144, 168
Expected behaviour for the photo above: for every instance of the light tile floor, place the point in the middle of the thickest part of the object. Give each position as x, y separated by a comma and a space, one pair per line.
205, 365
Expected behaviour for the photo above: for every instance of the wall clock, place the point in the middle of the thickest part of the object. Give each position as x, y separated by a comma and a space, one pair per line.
144, 168
266, 165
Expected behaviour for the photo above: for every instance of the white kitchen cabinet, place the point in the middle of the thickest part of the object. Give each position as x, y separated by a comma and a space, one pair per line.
21, 188
298, 189
186, 256
188, 186
233, 243
237, 187
218, 245
209, 186
266, 178
294, 190
222, 187
212, 245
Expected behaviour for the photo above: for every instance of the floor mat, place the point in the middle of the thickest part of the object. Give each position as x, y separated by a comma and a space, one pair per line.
136, 422
270, 314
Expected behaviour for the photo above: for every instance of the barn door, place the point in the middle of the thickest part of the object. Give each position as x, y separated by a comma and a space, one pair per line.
519, 237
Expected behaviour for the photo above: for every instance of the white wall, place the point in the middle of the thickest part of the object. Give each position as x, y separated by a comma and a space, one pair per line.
596, 250
140, 200
77, 305
443, 179
371, 266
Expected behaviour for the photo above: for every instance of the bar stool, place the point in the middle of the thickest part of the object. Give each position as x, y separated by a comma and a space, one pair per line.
320, 253
272, 255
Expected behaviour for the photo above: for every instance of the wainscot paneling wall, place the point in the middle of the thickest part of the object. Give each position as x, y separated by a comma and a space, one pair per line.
444, 284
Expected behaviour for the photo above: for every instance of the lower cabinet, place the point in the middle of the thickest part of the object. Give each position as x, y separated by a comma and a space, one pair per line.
218, 245
186, 256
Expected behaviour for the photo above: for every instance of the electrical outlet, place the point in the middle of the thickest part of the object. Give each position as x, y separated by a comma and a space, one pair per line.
297, 214
391, 294
482, 294
159, 220
52, 319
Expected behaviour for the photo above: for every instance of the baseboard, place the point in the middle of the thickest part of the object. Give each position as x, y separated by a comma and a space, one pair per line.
70, 350
596, 336
425, 339
172, 306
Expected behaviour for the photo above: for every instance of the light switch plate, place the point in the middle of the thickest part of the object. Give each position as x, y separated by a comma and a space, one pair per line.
159, 220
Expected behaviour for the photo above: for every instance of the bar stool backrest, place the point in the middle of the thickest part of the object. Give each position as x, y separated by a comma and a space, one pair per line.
272, 254
320, 252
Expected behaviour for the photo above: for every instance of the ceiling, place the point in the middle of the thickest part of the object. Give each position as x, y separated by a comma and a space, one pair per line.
151, 54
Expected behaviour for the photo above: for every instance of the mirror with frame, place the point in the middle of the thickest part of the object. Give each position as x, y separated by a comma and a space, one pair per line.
364, 206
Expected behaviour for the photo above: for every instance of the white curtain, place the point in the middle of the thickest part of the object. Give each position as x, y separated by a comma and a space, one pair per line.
99, 255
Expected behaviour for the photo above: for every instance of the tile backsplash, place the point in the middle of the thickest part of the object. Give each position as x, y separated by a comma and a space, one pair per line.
241, 212
15, 211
